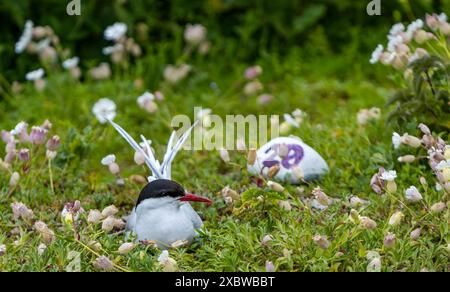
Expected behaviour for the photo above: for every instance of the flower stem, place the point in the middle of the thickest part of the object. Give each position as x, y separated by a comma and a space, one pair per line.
51, 175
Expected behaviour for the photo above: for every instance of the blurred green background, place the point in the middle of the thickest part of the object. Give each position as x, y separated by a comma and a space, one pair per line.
240, 30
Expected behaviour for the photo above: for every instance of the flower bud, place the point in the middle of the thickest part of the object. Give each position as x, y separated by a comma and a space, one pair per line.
321, 241
53, 143
126, 248
298, 172
50, 155
94, 216
168, 264
367, 223
266, 239
356, 202
139, 158
415, 234
270, 268
285, 205
446, 174
230, 193
48, 236
253, 87
425, 130
374, 265
114, 168
2, 249
109, 211
41, 249
103, 263
389, 240
108, 224
391, 186
10, 156
14, 180
95, 245
411, 141
138, 179
275, 186
273, 171
438, 207
407, 159
396, 218
224, 155
21, 211
251, 157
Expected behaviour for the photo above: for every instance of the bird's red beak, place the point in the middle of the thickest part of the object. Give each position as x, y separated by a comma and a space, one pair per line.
195, 198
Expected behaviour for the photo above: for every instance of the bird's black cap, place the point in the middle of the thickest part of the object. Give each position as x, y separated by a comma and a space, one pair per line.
161, 188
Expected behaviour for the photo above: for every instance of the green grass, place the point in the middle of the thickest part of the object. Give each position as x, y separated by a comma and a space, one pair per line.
231, 238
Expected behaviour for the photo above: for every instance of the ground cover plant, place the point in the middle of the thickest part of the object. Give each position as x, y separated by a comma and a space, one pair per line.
67, 178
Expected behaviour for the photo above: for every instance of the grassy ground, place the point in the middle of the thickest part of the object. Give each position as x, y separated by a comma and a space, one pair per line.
232, 238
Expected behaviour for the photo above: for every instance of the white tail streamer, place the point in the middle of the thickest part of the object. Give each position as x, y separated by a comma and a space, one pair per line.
159, 171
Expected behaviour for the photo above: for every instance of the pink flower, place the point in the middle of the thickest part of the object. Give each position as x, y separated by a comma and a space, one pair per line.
10, 156
24, 155
38, 135
53, 143
376, 183
253, 72
6, 136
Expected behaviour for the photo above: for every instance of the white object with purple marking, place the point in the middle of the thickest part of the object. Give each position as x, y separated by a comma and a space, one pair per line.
296, 161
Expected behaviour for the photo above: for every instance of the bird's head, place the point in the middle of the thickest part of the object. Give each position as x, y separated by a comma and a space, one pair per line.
168, 190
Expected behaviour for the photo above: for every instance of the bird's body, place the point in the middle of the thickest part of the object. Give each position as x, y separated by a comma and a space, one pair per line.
165, 221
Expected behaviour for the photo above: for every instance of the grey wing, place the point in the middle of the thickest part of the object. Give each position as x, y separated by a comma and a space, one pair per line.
190, 212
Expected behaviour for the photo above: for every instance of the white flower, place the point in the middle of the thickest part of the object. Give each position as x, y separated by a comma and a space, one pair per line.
396, 140
438, 187
143, 99
443, 165
115, 31
413, 195
71, 63
26, 37
442, 17
112, 49
19, 128
168, 263
2, 249
413, 27
390, 175
104, 109
41, 248
175, 74
396, 29
376, 55
107, 160
394, 43
35, 75
396, 218
43, 44
195, 34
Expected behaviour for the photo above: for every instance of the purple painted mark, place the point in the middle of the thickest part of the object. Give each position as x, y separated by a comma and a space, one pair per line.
295, 155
